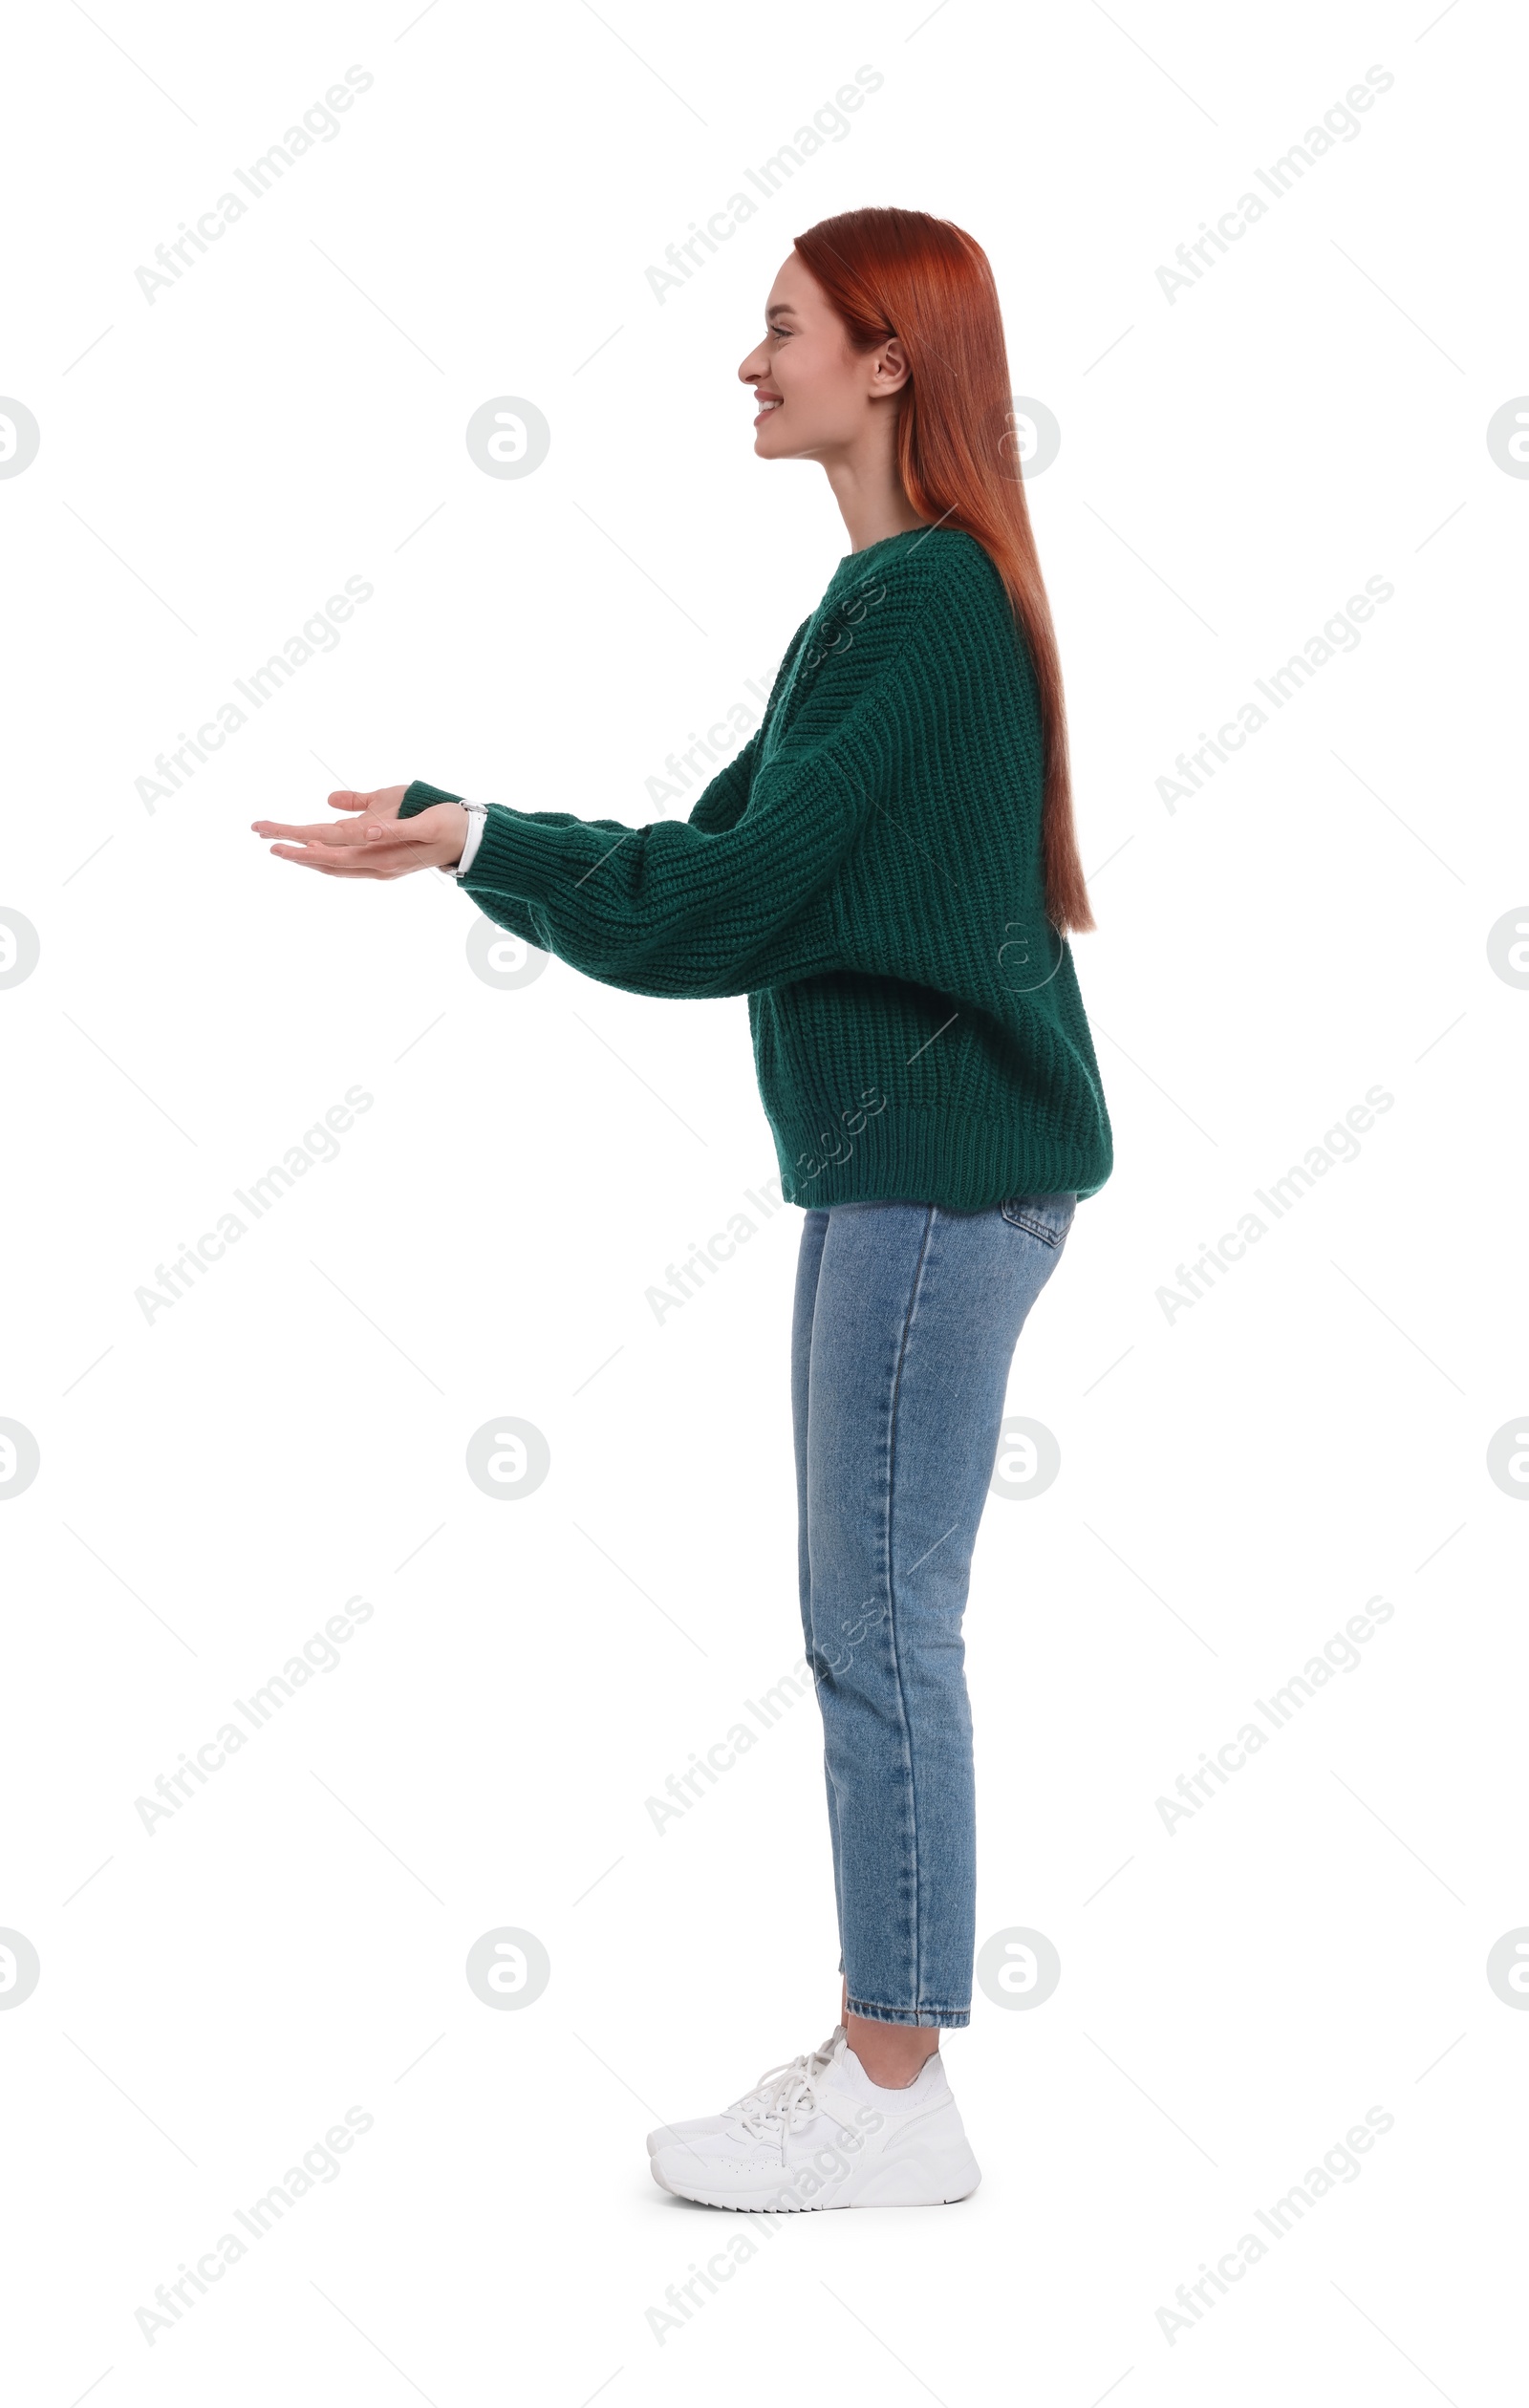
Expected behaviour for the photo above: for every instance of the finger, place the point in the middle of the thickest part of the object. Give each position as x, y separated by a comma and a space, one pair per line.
340, 865
332, 833
345, 801
317, 833
331, 847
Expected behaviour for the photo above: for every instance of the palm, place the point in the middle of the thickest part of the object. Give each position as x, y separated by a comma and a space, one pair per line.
364, 845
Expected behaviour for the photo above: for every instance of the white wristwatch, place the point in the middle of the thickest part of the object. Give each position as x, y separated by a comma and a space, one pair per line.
477, 821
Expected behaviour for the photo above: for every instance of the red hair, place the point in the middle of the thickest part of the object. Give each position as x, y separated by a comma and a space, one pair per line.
900, 271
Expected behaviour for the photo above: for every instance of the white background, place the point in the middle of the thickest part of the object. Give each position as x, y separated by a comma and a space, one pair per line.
1236, 1481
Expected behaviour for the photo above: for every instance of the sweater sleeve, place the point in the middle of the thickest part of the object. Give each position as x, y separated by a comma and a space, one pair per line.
718, 805
696, 907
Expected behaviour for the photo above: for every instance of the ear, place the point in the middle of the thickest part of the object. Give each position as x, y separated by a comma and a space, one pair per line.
889, 368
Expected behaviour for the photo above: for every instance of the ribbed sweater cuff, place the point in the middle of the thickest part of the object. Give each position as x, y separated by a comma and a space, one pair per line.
517, 855
514, 856
419, 797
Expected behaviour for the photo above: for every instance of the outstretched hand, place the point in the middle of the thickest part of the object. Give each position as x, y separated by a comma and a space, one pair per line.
375, 843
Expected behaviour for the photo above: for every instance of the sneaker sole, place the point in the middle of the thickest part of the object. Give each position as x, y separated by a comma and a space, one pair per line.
920, 2179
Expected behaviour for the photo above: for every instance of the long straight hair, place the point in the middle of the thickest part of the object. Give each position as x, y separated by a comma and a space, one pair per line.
899, 272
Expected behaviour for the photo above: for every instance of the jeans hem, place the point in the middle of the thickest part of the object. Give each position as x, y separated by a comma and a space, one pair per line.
925, 2018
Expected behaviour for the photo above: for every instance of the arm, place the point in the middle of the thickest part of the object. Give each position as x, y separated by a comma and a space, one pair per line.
704, 906
718, 805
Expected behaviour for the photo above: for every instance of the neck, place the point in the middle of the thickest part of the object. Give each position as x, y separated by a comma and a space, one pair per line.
871, 498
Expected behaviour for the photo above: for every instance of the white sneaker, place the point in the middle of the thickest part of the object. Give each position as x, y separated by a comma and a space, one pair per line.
821, 2133
667, 2134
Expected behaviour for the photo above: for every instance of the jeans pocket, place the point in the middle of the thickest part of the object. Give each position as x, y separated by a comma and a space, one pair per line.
1049, 1217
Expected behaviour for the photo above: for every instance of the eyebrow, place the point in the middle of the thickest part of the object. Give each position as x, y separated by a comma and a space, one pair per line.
782, 309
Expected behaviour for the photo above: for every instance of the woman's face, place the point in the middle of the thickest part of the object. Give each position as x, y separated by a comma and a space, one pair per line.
816, 396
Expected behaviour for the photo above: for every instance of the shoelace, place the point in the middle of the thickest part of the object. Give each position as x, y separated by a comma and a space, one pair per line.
785, 2096
810, 2061
793, 2101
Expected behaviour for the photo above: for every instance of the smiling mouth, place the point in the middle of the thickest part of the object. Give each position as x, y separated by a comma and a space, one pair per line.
764, 409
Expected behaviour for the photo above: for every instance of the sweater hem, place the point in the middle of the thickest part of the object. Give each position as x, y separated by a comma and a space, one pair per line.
924, 1156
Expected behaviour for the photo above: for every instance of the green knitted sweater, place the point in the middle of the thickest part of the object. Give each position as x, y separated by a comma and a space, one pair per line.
867, 871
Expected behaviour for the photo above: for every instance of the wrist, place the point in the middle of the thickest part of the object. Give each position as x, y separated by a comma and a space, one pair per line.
419, 796
473, 818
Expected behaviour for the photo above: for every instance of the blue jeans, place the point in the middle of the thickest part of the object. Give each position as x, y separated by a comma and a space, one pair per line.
906, 1320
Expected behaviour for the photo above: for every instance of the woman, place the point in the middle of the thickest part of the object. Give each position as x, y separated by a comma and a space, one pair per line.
887, 870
